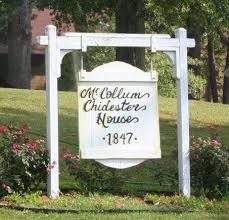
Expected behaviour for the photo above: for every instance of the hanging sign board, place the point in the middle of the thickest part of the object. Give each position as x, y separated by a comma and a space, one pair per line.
118, 113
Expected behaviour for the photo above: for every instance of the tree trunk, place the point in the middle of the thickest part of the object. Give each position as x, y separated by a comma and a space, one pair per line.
19, 46
226, 78
212, 69
130, 19
194, 31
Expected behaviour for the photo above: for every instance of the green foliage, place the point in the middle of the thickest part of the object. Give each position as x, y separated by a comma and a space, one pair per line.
97, 56
160, 62
163, 16
209, 166
23, 161
78, 11
196, 86
166, 82
102, 202
193, 203
196, 83
78, 201
67, 80
209, 16
94, 177
90, 175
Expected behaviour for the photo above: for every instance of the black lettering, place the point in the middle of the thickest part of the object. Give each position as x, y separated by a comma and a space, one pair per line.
105, 120
90, 93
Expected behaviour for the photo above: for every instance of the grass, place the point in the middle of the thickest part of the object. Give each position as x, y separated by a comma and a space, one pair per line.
28, 107
107, 206
27, 215
107, 202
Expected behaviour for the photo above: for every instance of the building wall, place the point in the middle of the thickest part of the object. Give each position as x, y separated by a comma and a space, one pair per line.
38, 71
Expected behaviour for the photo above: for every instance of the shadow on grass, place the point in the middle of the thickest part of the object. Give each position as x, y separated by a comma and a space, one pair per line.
155, 175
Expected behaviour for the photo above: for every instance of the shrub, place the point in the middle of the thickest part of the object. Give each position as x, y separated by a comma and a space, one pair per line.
90, 175
23, 160
166, 81
209, 166
196, 86
67, 81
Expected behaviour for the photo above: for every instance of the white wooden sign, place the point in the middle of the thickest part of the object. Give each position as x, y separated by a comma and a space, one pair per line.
101, 137
118, 115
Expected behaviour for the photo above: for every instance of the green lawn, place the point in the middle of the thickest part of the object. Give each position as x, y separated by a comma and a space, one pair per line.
28, 107
107, 206
6, 214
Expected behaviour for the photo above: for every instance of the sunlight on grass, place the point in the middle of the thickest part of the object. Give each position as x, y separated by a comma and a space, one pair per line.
29, 107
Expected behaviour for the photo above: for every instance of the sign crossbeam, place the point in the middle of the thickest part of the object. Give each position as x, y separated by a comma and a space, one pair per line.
83, 40
176, 48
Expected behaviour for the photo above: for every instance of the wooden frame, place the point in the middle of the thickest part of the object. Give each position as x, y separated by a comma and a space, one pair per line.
175, 48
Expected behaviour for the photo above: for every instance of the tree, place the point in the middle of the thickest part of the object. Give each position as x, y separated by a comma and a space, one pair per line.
130, 19
195, 31
201, 18
225, 40
212, 69
19, 44
3, 21
223, 31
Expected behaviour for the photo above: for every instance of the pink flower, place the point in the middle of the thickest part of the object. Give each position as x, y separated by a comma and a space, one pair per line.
18, 133
215, 142
50, 167
213, 127
68, 156
21, 131
45, 151
24, 129
39, 141
32, 146
16, 146
6, 187
3, 129
15, 151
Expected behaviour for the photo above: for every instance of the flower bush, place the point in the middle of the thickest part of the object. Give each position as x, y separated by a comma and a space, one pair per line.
209, 165
23, 160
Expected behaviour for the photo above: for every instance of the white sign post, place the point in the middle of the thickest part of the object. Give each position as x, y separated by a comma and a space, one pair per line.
175, 48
